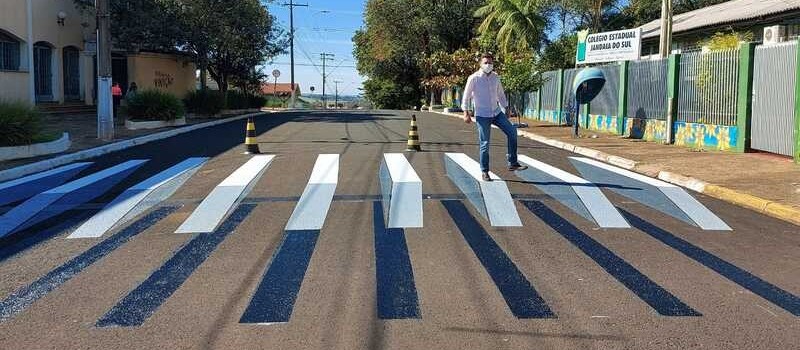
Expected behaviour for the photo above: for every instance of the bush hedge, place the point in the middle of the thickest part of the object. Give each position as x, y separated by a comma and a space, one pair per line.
154, 105
240, 100
20, 124
204, 102
211, 102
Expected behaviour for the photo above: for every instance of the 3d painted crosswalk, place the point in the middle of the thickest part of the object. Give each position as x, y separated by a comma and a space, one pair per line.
491, 198
578, 194
216, 206
273, 300
65, 197
26, 187
655, 193
138, 199
397, 208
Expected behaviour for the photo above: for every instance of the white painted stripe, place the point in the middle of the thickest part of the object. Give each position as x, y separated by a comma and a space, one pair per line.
695, 210
494, 200
88, 180
174, 171
627, 173
600, 208
469, 165
326, 170
553, 171
43, 174
399, 168
312, 208
245, 173
218, 204
404, 205
111, 214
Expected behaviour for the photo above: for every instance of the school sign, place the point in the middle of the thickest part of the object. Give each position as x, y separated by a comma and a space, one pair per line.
620, 45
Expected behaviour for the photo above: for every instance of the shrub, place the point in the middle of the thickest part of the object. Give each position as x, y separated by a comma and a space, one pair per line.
154, 105
20, 124
205, 102
241, 100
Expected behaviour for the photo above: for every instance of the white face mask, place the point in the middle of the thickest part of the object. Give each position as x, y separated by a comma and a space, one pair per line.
487, 68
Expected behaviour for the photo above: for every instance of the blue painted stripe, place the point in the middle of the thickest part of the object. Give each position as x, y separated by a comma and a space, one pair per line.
65, 197
651, 293
29, 186
762, 288
13, 245
274, 298
397, 294
143, 301
26, 296
518, 292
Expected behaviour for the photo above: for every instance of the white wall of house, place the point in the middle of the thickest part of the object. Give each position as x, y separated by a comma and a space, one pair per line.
47, 31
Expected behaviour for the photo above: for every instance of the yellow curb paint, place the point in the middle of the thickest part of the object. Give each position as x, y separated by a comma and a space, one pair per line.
735, 197
783, 212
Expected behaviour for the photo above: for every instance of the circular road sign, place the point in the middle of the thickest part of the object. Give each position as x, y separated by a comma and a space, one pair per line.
312, 89
276, 73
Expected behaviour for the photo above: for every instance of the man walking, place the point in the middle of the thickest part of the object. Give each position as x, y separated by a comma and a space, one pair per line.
485, 90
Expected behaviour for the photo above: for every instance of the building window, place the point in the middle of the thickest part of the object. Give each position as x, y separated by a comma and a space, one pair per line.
9, 52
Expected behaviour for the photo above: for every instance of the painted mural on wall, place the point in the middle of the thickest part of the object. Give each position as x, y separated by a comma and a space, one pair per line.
451, 97
646, 129
550, 116
604, 123
706, 136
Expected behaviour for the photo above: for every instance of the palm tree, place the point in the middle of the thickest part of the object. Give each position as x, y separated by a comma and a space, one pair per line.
519, 24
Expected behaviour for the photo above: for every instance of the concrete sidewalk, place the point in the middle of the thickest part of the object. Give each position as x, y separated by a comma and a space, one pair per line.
763, 182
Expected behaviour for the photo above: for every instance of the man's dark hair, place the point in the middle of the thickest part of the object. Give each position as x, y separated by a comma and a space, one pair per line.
487, 55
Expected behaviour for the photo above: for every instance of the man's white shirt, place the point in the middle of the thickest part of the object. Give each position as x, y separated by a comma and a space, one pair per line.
486, 92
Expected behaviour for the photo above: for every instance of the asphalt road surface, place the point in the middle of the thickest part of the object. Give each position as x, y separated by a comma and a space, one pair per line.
558, 281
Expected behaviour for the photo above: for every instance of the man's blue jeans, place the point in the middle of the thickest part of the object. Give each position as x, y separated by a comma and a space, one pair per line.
484, 126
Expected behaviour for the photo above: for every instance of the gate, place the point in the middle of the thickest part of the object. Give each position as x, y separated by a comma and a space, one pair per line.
772, 125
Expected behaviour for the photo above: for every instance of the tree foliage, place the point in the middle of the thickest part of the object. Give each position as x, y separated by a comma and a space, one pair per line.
397, 37
516, 25
229, 38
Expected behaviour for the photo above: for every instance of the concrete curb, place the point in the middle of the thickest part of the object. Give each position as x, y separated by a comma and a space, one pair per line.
36, 149
112, 147
765, 206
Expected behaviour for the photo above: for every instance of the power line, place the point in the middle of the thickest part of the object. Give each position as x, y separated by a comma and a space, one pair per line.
291, 6
325, 56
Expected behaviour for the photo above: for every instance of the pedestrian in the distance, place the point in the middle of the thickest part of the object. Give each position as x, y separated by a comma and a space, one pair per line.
485, 91
116, 94
132, 90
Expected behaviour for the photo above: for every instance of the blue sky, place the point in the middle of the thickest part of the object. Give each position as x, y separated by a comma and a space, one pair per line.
323, 26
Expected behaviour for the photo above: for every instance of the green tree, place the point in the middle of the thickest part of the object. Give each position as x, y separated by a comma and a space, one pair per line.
517, 25
398, 34
227, 38
559, 54
230, 38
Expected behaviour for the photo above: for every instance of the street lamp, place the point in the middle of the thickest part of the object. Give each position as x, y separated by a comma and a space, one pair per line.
61, 17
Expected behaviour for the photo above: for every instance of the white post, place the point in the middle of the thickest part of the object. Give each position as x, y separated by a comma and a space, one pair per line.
105, 104
31, 68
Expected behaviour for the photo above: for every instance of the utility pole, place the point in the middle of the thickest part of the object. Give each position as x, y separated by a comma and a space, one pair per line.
291, 6
665, 43
105, 105
337, 93
325, 57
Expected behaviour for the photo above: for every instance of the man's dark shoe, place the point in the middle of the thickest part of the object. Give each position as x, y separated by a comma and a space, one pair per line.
486, 176
517, 167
